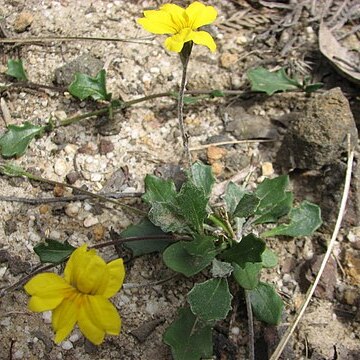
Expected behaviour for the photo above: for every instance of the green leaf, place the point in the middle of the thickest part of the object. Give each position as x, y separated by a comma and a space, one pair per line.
192, 203
188, 100
17, 138
304, 220
221, 268
203, 177
274, 200
53, 251
9, 169
249, 249
165, 212
201, 245
266, 303
313, 87
142, 247
247, 276
15, 68
247, 206
177, 258
210, 300
232, 196
269, 82
269, 258
85, 86
189, 338
159, 190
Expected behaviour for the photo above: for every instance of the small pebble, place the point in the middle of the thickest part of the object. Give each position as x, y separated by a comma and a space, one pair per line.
72, 209
74, 337
235, 330
67, 345
60, 167
98, 231
23, 21
90, 221
267, 169
47, 317
72, 177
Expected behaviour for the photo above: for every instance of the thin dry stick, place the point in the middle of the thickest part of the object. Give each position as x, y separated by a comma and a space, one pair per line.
232, 142
250, 326
277, 353
70, 38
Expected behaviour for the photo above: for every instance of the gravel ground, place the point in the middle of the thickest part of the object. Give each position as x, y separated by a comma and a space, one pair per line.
144, 138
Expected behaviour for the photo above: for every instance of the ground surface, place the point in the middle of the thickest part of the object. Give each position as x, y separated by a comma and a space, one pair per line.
145, 138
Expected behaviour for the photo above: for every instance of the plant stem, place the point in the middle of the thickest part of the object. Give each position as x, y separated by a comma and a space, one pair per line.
185, 57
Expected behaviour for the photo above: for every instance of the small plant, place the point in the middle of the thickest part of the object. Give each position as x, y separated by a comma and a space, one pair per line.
226, 242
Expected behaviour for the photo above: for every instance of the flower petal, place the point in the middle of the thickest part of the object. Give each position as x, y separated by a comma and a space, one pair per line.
177, 14
85, 270
176, 42
202, 38
64, 317
200, 15
157, 22
47, 290
97, 317
116, 275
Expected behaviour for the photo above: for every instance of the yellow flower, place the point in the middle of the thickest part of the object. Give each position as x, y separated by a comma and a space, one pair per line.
181, 23
81, 296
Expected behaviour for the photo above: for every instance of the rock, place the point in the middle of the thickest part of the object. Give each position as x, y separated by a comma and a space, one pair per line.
228, 60
67, 345
72, 177
317, 137
89, 148
43, 209
267, 169
90, 221
60, 167
215, 153
217, 168
105, 146
98, 232
352, 266
86, 64
23, 21
59, 190
247, 126
72, 209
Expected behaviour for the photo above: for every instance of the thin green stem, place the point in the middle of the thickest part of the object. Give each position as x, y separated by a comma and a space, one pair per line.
185, 57
222, 224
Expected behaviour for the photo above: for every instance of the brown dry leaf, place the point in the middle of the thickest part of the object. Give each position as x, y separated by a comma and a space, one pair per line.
344, 61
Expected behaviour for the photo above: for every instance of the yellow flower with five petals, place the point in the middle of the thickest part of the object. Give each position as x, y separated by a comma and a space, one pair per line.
81, 296
181, 23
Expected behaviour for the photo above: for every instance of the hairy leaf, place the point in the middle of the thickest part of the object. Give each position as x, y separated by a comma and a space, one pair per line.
147, 246
177, 258
269, 258
15, 68
274, 200
201, 245
247, 206
189, 338
304, 220
232, 197
269, 82
192, 204
266, 303
221, 268
17, 138
53, 251
247, 276
249, 249
203, 177
85, 86
210, 300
